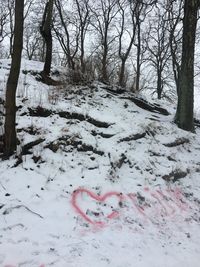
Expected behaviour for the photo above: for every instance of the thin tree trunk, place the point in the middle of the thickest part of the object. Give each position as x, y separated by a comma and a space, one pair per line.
82, 54
104, 65
45, 30
10, 139
122, 73
159, 84
138, 64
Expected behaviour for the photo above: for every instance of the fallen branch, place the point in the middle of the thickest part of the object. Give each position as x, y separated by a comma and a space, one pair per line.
2, 205
9, 210
13, 226
28, 146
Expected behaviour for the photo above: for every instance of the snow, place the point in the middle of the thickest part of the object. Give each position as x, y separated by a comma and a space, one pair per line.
133, 216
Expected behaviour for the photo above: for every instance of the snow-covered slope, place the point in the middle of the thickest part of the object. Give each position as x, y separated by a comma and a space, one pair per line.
109, 183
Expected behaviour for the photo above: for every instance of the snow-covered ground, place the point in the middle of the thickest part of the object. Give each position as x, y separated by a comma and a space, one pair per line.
109, 184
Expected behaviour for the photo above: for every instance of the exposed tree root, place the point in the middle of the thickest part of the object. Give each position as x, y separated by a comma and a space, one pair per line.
174, 176
177, 142
41, 77
69, 141
133, 137
42, 112
85, 147
104, 135
39, 112
116, 91
147, 106
81, 117
47, 80
197, 122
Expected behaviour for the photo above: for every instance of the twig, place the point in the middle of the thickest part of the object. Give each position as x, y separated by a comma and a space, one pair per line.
8, 210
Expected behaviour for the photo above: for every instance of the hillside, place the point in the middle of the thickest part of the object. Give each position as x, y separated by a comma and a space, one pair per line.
101, 178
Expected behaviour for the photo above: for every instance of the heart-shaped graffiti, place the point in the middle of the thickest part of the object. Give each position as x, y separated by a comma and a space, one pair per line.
151, 205
98, 198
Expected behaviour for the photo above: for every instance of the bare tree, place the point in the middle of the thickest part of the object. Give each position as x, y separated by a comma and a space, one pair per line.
141, 13
34, 45
175, 13
158, 47
4, 14
33, 42
103, 17
10, 140
11, 10
67, 34
129, 35
132, 15
84, 19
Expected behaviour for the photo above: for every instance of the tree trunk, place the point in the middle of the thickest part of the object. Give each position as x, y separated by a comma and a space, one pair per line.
45, 30
10, 139
104, 61
82, 53
104, 67
184, 114
122, 73
159, 84
138, 64
48, 58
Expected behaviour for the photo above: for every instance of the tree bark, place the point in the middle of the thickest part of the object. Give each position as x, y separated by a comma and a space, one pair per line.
45, 30
159, 84
138, 64
184, 114
122, 82
10, 139
104, 71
